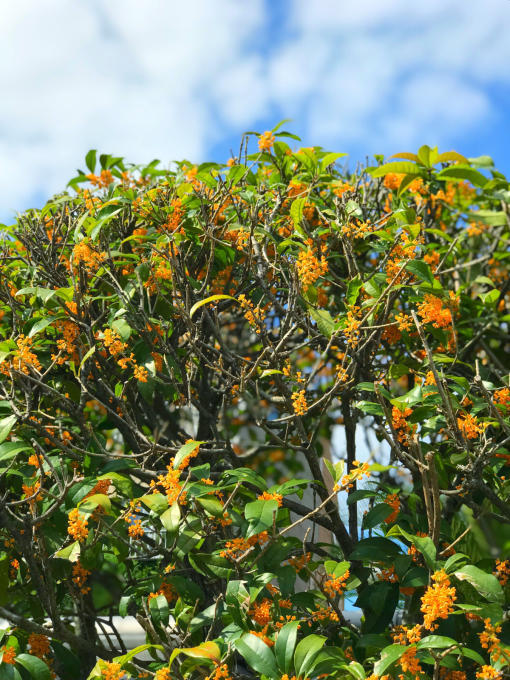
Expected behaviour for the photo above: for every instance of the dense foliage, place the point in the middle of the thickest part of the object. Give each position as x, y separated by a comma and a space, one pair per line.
178, 348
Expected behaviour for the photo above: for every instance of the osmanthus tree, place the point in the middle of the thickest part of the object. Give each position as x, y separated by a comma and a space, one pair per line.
174, 343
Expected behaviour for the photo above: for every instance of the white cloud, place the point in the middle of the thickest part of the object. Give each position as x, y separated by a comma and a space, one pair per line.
131, 78
377, 74
171, 80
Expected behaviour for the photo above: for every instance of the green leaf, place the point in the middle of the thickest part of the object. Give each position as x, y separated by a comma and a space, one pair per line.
90, 160
159, 611
37, 668
296, 211
329, 159
88, 505
6, 425
122, 327
486, 584
155, 502
9, 450
207, 650
126, 658
447, 156
353, 288
481, 162
39, 326
257, 655
71, 552
370, 407
424, 544
86, 356
260, 515
212, 505
171, 517
463, 172
184, 451
436, 642
376, 548
324, 321
376, 515
285, 644
400, 167
389, 655
306, 651
420, 269
494, 218
211, 298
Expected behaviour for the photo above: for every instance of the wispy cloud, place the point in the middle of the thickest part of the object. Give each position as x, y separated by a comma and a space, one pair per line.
172, 80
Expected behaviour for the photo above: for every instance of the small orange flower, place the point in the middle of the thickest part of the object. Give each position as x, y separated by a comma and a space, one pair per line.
437, 602
9, 655
266, 496
77, 525
266, 141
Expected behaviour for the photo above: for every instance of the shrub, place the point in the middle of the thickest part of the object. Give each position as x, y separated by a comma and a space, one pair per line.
178, 348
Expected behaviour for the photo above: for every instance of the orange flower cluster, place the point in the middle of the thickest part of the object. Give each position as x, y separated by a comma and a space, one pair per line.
336, 585
266, 496
66, 345
433, 311
324, 614
112, 341
254, 315
388, 574
409, 663
77, 527
221, 673
262, 634
23, 358
503, 571
102, 180
171, 485
469, 426
430, 378
140, 373
340, 188
165, 589
402, 635
502, 397
84, 254
135, 528
300, 561
266, 141
393, 501
407, 249
437, 602
163, 674
261, 612
299, 403
9, 655
39, 644
404, 321
359, 471
309, 266
237, 546
80, 576
102, 486
174, 220
112, 671
401, 425
489, 639
355, 229
391, 334
351, 328
488, 673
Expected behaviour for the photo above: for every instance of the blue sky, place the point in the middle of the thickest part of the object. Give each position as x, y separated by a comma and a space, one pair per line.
173, 80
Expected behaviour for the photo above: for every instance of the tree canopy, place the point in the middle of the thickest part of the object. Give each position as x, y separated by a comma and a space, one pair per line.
178, 348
